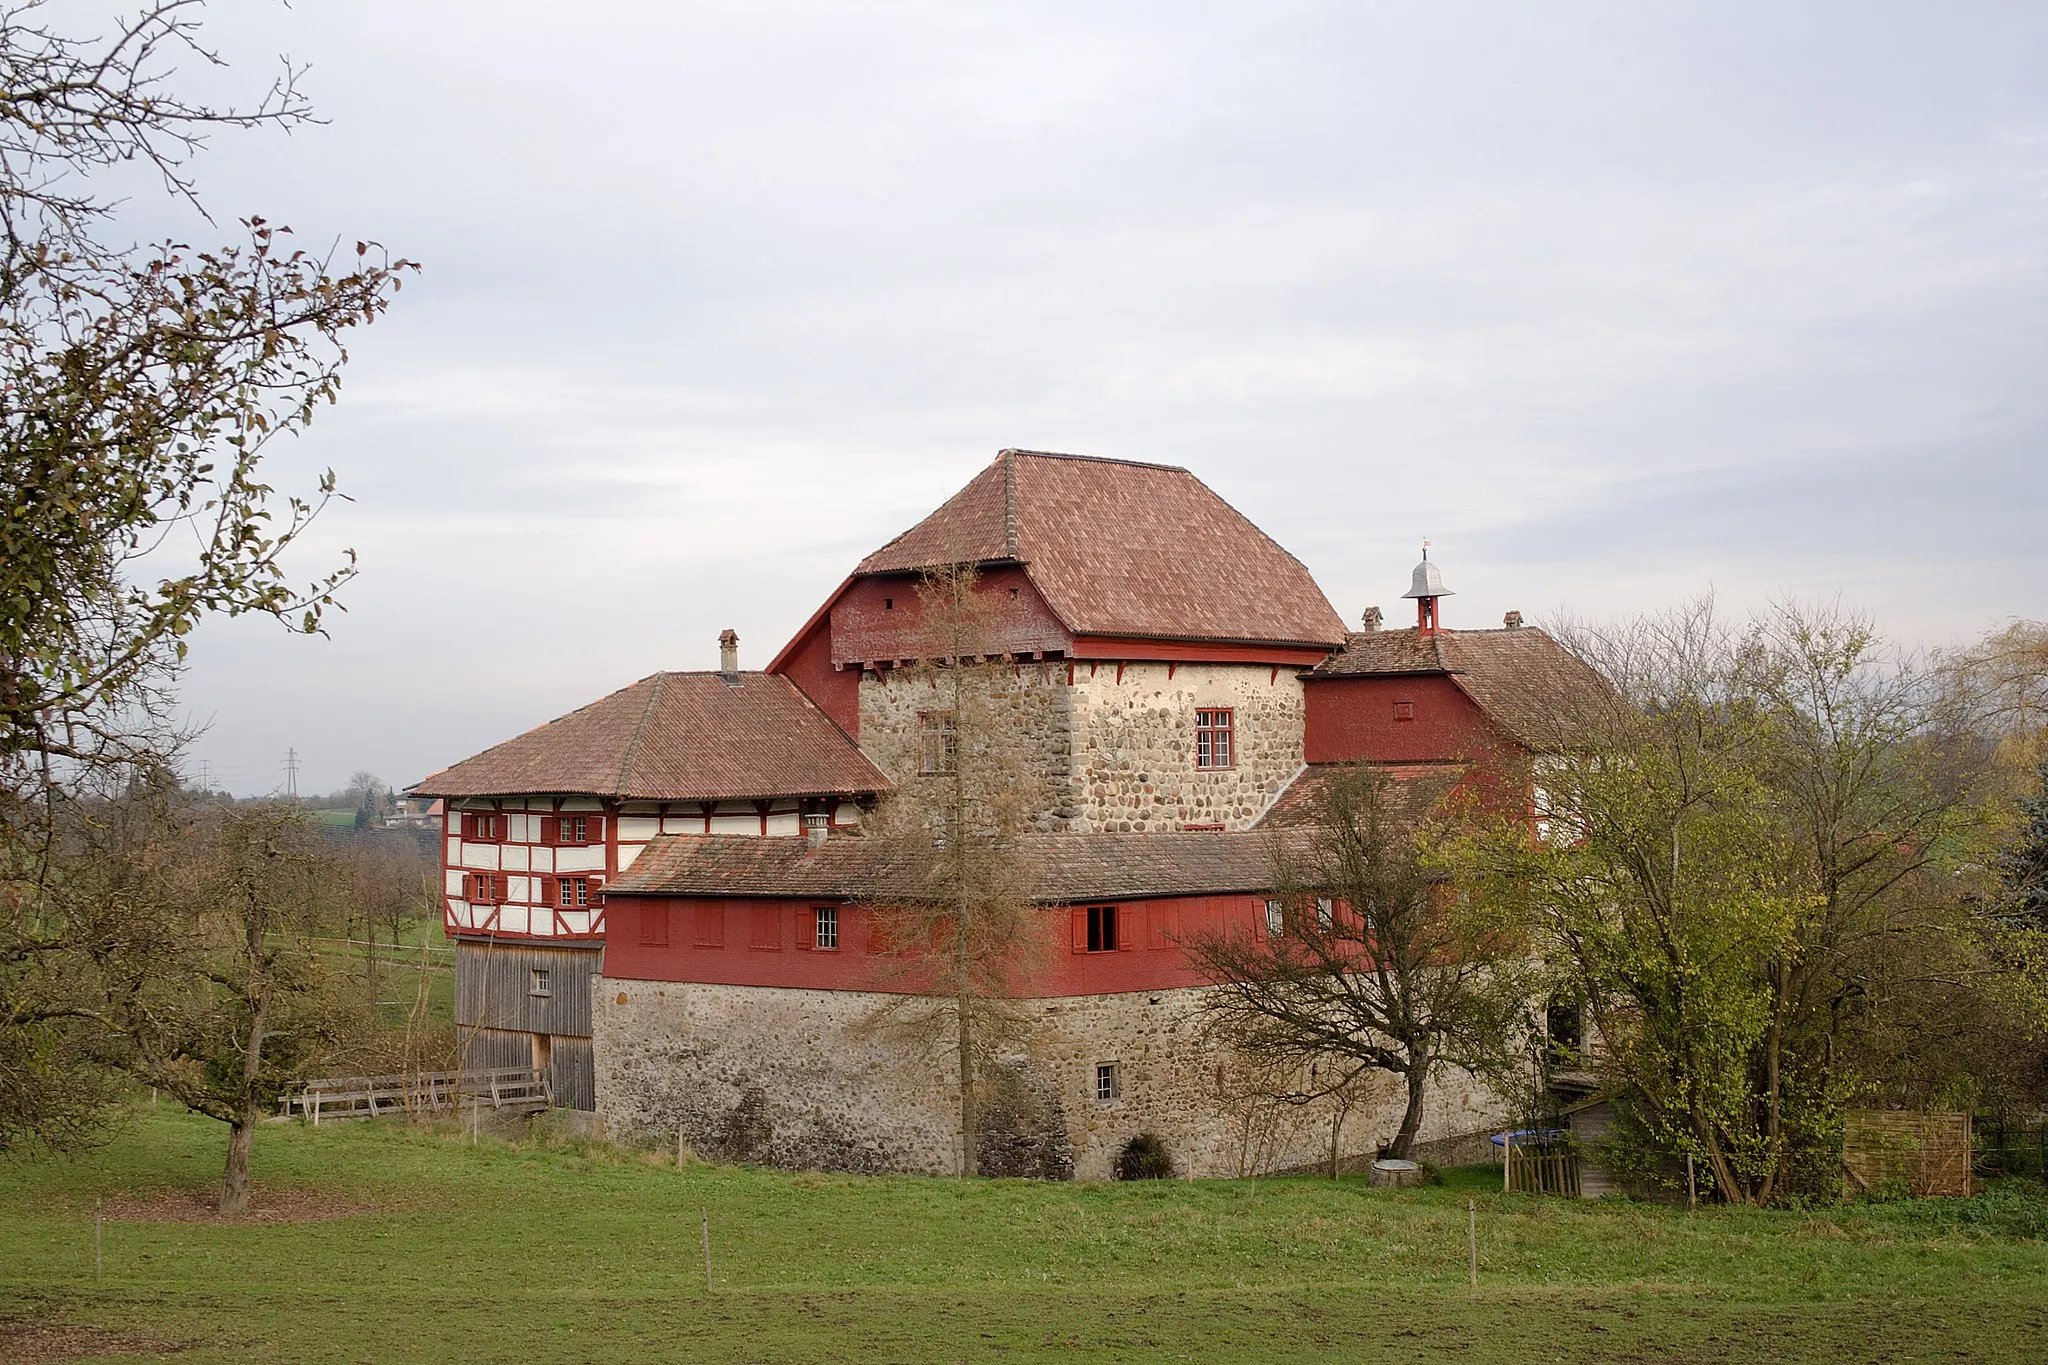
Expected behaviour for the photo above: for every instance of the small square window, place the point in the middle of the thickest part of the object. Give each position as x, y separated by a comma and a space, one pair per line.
1404, 710
1109, 1081
539, 983
828, 927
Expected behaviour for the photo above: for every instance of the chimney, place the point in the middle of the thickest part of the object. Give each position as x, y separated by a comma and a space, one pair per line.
1513, 620
729, 657
1371, 620
815, 826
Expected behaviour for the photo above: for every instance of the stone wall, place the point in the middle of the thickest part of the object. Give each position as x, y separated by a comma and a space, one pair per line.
1027, 710
840, 1080
1133, 762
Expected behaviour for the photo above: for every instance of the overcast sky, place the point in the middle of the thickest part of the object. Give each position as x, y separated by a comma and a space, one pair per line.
1615, 303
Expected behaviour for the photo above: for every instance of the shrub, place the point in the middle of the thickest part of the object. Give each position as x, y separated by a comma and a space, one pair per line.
1144, 1157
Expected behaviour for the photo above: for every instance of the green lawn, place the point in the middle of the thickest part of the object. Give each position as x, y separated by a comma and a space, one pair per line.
566, 1253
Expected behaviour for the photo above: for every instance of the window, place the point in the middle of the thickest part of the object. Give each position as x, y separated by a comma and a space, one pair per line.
1102, 928
936, 730
1109, 1081
539, 982
1212, 739
573, 830
486, 827
484, 889
1276, 919
572, 893
1326, 912
827, 927
1404, 710
654, 926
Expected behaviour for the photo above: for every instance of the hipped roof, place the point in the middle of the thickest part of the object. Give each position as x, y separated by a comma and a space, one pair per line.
1068, 868
675, 737
1523, 680
1123, 549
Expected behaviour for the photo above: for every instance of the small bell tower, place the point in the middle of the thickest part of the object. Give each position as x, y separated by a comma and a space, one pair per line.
1428, 586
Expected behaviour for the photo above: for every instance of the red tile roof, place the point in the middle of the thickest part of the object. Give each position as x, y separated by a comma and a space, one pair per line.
1414, 791
1069, 867
1526, 682
675, 737
1121, 548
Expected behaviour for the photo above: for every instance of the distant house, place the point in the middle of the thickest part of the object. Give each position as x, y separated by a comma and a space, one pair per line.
688, 850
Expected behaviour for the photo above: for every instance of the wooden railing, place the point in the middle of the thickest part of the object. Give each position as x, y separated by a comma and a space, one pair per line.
1536, 1171
517, 1088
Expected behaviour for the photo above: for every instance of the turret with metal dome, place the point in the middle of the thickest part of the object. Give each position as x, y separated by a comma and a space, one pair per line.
1428, 587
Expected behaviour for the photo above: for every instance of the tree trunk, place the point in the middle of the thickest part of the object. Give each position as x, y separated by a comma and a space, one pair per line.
234, 1180
1418, 1074
965, 1042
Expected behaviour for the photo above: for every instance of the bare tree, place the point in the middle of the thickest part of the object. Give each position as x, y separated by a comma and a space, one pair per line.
952, 888
1369, 961
140, 389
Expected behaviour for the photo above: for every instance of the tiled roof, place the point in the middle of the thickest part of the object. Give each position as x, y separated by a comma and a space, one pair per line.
1414, 790
1120, 548
1525, 681
675, 737
1070, 867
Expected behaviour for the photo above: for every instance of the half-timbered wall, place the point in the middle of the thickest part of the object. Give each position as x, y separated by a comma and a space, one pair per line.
510, 883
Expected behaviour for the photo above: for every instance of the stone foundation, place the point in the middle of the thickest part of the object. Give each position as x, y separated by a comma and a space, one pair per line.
861, 1081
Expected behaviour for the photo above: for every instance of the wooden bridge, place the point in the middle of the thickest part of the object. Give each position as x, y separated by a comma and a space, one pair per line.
518, 1089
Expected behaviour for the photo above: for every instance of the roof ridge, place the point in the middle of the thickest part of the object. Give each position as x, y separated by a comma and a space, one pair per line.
1095, 459
1009, 459
640, 730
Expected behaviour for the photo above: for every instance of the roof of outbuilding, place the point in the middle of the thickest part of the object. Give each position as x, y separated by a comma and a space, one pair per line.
1525, 681
1070, 867
1413, 791
675, 737
1122, 548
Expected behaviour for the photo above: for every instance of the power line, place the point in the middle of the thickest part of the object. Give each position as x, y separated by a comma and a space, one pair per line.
291, 773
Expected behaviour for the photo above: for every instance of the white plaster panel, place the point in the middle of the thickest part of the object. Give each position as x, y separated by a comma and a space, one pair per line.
516, 829
576, 921
455, 850
589, 859
512, 920
581, 803
628, 853
540, 859
749, 823
514, 856
637, 827
480, 855
682, 824
453, 882
847, 814
785, 824
519, 888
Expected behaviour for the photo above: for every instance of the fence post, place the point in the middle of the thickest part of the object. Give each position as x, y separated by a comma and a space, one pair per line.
706, 1211
1472, 1242
1692, 1185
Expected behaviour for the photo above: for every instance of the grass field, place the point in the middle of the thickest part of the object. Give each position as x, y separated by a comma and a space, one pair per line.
564, 1252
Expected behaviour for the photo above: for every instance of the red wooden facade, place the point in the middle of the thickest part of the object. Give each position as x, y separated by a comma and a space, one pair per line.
1420, 718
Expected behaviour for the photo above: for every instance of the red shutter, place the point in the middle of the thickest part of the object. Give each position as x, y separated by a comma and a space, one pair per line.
465, 826
596, 891
547, 890
547, 829
1080, 928
807, 928
596, 829
1130, 926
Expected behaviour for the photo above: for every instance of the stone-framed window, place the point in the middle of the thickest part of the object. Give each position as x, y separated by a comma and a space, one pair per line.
1214, 749
1109, 1081
938, 741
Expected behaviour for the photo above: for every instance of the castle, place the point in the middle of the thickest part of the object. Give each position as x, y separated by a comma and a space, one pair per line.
659, 896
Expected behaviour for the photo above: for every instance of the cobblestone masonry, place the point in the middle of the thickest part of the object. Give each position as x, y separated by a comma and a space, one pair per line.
818, 1080
1118, 754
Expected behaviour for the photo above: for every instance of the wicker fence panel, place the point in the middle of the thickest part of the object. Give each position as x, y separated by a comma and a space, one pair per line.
1922, 1154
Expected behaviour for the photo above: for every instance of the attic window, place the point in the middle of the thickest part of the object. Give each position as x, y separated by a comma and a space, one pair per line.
1404, 710
888, 604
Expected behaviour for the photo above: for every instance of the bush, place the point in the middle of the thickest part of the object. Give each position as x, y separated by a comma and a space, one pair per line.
1144, 1157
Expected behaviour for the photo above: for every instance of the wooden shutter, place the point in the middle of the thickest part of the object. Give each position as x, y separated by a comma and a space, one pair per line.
465, 825
1080, 928
710, 924
596, 830
547, 829
547, 891
1130, 924
807, 927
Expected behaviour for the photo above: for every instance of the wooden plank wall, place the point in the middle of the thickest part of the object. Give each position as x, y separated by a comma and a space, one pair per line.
498, 1016
1922, 1154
